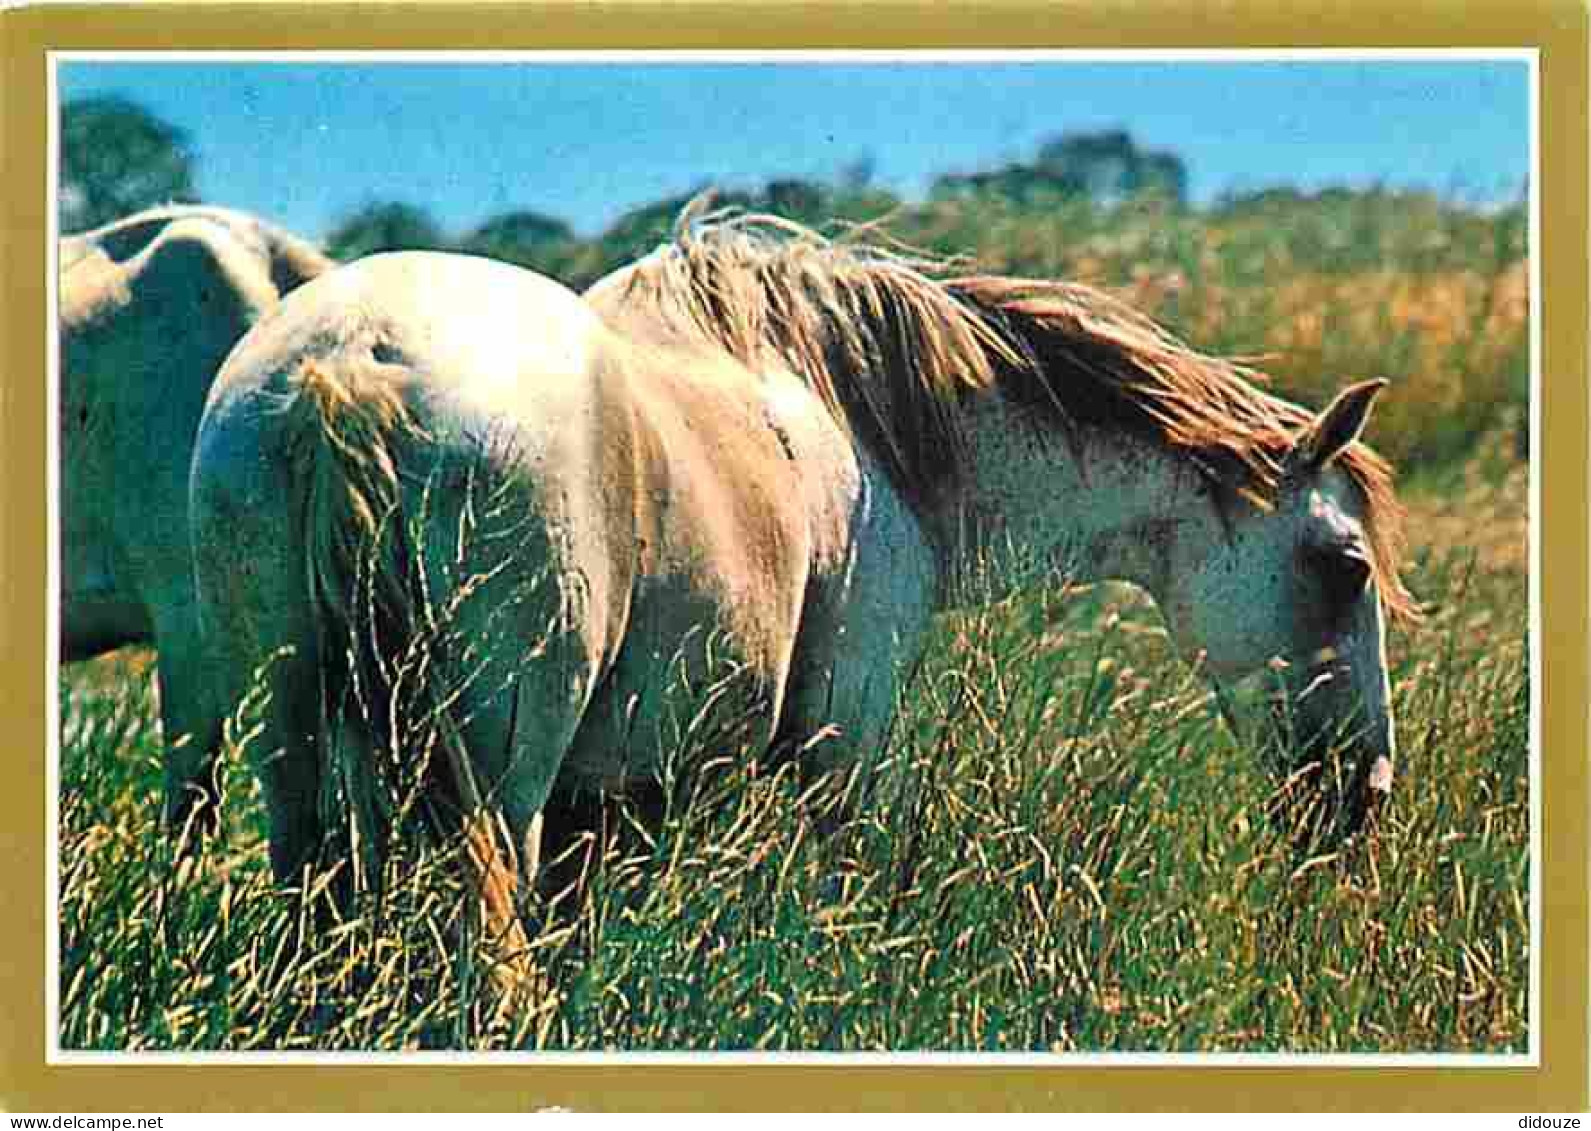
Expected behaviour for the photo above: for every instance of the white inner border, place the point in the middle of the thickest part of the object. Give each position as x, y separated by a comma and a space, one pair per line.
55, 1055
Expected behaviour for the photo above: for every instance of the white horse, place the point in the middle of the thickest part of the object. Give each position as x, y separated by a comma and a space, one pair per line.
149, 307
754, 453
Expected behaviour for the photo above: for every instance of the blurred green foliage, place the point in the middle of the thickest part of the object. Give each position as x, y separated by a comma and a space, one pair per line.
117, 158
1314, 289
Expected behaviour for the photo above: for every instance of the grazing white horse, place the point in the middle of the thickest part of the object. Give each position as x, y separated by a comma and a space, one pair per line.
753, 457
149, 307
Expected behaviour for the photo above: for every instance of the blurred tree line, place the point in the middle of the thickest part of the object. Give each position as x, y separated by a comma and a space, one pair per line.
117, 157
1322, 285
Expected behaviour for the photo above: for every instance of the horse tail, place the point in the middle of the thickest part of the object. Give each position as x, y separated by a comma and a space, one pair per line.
343, 434
342, 431
346, 433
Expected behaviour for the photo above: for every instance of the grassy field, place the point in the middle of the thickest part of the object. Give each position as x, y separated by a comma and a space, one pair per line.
1088, 859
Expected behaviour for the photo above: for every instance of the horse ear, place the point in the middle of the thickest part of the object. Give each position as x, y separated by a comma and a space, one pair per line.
1335, 428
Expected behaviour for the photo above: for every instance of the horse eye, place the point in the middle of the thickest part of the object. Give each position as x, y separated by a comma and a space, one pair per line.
1344, 572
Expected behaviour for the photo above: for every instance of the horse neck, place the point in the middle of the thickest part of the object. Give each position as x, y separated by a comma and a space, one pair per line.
1097, 505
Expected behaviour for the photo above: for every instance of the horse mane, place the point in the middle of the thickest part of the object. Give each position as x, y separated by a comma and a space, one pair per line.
1091, 360
894, 344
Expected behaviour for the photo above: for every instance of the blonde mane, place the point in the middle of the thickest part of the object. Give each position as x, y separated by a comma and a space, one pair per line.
893, 346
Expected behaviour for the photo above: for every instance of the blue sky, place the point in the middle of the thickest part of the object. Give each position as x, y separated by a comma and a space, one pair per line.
304, 142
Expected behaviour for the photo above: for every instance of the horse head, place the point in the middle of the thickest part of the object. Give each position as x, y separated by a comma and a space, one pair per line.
1298, 590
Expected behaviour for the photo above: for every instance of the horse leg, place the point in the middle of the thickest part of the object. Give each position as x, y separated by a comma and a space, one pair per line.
503, 759
190, 725
860, 641
571, 839
517, 668
272, 714
260, 665
289, 763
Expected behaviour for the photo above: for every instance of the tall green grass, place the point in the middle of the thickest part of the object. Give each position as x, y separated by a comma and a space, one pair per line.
1084, 859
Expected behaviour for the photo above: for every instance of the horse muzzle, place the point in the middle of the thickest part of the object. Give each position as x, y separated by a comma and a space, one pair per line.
1353, 781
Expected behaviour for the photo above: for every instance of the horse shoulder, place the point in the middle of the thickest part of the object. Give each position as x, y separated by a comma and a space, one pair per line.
864, 624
